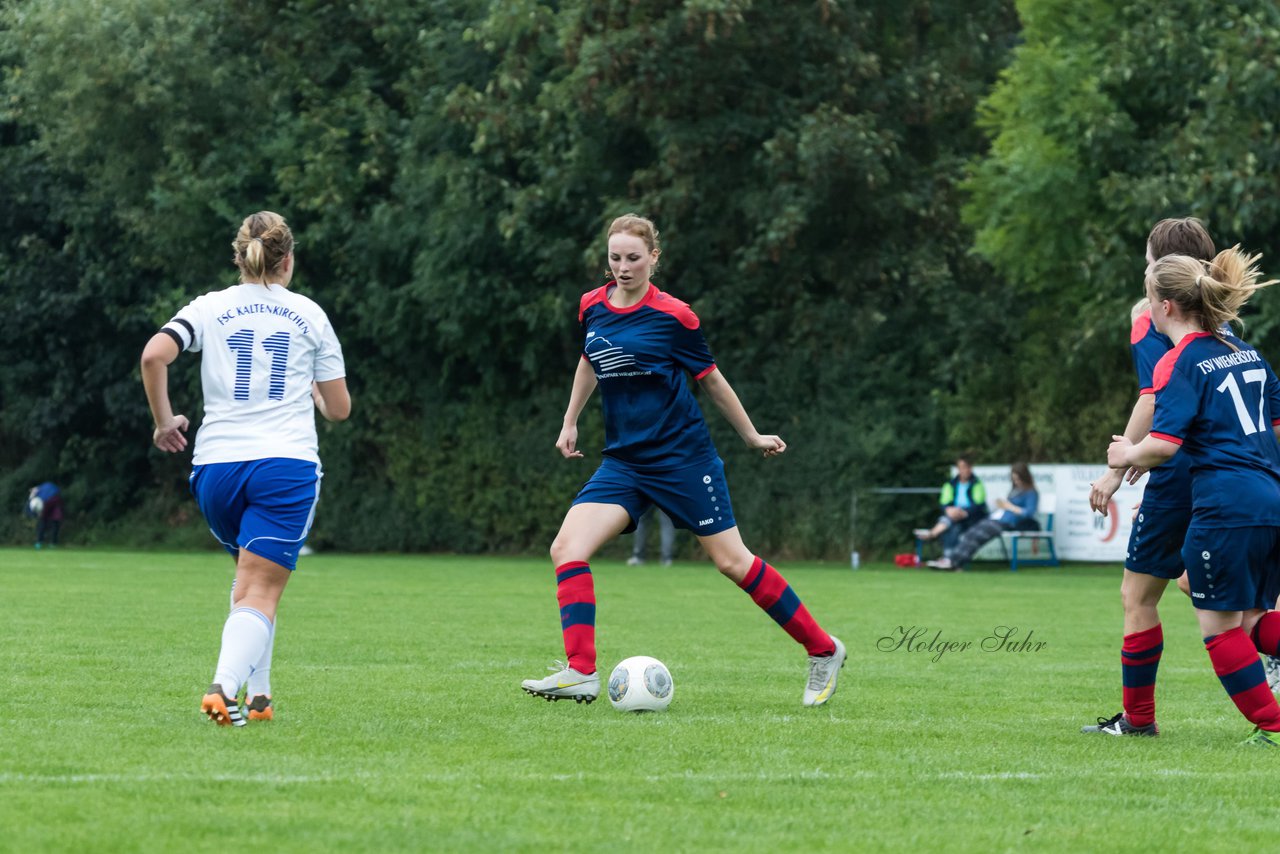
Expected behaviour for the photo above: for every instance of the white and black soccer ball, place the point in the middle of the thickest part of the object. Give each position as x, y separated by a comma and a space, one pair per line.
35, 505
641, 684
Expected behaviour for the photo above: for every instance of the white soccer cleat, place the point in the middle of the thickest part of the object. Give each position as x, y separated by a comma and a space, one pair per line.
1271, 664
564, 683
823, 673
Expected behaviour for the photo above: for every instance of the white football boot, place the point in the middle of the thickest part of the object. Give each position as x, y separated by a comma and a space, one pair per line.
823, 673
1271, 665
564, 683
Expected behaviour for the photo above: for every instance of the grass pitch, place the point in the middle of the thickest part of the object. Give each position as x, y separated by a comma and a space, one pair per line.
400, 723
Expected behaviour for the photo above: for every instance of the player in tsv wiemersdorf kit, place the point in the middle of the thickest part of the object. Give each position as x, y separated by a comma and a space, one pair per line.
1218, 402
269, 360
638, 344
1154, 554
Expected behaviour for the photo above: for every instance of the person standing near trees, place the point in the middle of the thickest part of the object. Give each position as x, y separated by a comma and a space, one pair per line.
666, 538
1154, 553
270, 358
44, 503
638, 344
1218, 402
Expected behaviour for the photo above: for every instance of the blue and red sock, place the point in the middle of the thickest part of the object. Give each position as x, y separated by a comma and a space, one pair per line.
768, 589
577, 595
1235, 660
1139, 659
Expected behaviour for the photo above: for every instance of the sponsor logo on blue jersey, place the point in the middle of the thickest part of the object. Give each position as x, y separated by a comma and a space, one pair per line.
609, 359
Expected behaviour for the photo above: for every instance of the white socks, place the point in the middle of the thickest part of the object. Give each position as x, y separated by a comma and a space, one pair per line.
246, 637
260, 673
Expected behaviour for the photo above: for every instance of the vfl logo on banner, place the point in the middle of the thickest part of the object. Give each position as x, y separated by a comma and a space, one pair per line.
606, 357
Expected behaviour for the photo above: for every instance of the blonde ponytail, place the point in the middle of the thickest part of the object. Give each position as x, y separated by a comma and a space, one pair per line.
261, 244
1212, 292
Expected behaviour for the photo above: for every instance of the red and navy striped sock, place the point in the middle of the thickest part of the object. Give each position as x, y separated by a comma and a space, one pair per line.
577, 594
1236, 662
1266, 634
1139, 658
768, 589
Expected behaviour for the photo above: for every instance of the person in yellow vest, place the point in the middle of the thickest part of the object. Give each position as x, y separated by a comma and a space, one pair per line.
963, 500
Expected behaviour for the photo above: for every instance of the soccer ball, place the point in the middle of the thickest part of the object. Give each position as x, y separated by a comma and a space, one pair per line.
640, 684
35, 505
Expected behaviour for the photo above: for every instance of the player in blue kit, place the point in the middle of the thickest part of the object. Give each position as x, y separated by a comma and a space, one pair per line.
1154, 554
1218, 403
638, 344
270, 359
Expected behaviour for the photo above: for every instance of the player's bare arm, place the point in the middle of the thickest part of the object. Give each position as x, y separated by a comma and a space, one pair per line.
332, 399
159, 353
726, 400
1149, 453
1139, 426
584, 383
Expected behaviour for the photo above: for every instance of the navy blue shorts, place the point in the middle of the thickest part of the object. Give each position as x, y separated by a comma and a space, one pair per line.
263, 506
1233, 569
1155, 541
696, 498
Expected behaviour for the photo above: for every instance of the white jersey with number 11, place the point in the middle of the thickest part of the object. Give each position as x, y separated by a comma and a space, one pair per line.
262, 346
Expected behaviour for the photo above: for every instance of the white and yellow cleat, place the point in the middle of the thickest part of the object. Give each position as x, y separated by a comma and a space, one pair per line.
1271, 665
824, 671
564, 683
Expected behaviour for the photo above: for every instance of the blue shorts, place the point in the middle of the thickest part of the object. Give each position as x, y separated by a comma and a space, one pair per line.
696, 498
1233, 569
263, 506
1155, 541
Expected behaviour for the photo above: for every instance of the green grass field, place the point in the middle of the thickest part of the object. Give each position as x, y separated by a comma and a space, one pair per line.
400, 723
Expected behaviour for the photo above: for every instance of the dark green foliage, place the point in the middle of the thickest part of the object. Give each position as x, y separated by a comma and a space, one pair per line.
449, 169
1111, 117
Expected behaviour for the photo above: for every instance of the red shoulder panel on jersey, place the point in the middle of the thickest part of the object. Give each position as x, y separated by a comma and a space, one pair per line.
1141, 324
668, 304
1164, 367
590, 298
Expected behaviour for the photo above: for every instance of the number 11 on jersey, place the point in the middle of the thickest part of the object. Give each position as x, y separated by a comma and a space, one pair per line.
276, 344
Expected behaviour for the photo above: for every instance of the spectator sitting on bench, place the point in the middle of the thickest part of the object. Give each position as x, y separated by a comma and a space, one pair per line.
1017, 512
964, 504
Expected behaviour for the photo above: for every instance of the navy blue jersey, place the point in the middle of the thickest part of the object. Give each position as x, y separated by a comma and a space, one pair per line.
1220, 404
1170, 484
640, 355
1148, 346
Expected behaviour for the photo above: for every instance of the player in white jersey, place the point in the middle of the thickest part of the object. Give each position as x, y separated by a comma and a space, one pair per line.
270, 358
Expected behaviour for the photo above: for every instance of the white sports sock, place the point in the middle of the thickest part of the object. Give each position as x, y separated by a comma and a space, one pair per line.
260, 675
245, 637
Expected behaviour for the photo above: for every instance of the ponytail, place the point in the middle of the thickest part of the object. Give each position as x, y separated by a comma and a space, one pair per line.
261, 244
1213, 292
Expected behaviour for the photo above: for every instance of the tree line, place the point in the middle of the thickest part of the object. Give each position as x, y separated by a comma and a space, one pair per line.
910, 229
